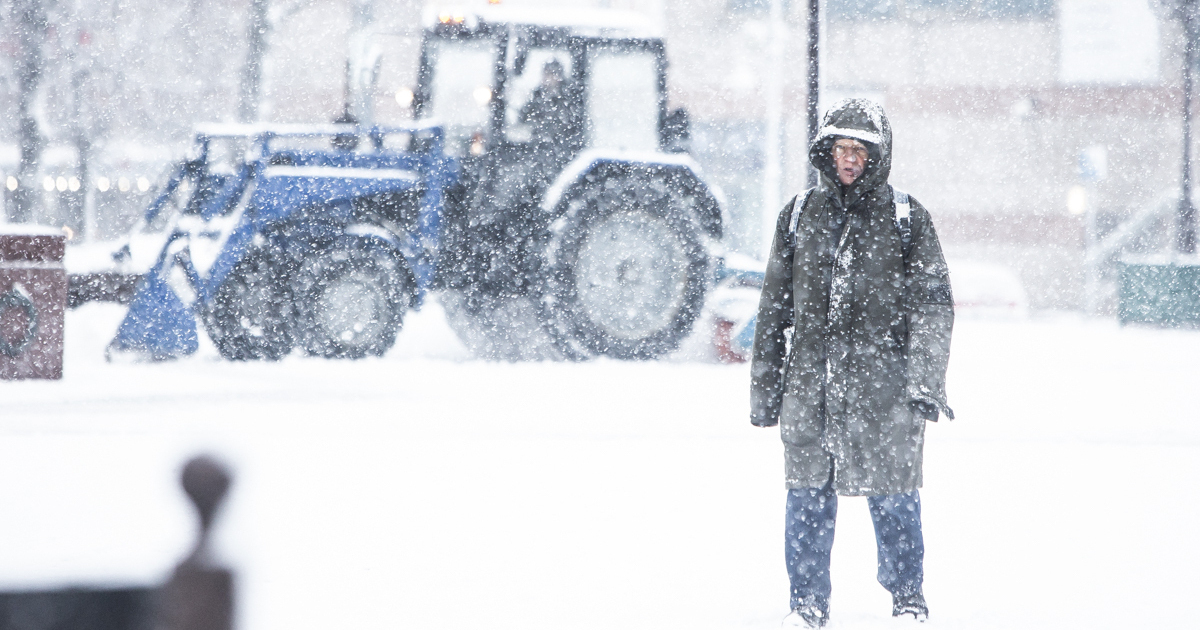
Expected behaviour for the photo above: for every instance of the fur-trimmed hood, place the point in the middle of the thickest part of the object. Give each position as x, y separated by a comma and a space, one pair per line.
862, 120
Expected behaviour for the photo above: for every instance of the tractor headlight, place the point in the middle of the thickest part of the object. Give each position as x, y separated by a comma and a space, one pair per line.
483, 95
404, 97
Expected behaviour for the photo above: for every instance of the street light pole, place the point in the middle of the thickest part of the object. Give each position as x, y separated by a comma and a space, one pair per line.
773, 146
250, 88
1187, 212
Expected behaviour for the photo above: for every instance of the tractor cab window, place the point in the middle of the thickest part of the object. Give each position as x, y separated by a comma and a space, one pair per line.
460, 93
623, 99
227, 154
542, 98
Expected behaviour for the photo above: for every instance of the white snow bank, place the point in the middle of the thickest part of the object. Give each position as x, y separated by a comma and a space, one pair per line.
29, 229
425, 490
987, 289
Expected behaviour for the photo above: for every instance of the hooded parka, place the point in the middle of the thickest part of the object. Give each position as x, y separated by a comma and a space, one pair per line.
853, 334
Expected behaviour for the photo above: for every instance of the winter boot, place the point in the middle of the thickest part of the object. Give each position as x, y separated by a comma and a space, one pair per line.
807, 615
910, 604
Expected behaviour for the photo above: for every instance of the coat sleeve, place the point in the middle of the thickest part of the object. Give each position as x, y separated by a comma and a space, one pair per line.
930, 311
776, 316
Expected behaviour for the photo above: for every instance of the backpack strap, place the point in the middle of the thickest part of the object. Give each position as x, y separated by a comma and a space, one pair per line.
903, 217
797, 208
903, 208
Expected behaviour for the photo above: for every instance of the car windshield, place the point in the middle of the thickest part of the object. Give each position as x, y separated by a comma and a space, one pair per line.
461, 90
623, 100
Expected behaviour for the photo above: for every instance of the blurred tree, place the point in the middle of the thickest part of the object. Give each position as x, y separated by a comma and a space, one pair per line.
151, 69
29, 18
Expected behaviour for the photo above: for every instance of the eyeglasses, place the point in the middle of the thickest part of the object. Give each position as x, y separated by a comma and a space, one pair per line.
843, 150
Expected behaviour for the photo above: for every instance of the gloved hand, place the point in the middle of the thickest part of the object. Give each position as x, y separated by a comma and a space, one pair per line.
924, 410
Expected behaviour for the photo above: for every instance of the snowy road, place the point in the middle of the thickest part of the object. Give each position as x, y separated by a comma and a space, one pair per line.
428, 491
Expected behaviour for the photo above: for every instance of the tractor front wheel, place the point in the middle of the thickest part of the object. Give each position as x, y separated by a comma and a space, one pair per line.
351, 301
251, 313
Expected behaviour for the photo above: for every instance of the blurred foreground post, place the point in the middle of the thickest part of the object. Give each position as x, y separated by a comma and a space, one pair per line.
199, 595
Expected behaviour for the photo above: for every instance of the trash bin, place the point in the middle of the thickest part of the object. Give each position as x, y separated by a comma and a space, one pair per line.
33, 295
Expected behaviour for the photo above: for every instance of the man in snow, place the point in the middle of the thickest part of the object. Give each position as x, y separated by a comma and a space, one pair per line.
850, 353
553, 113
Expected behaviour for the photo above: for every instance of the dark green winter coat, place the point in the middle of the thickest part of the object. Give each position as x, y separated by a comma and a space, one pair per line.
852, 337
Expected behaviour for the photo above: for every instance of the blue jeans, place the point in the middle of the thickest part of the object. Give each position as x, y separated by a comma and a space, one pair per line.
811, 513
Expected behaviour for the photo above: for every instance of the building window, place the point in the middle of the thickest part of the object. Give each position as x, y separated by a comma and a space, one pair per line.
753, 6
861, 9
853, 10
1016, 8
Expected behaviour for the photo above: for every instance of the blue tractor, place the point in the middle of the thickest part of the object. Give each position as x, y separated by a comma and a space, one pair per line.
543, 189
275, 244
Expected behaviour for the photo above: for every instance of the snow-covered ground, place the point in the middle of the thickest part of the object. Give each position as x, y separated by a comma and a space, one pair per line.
427, 490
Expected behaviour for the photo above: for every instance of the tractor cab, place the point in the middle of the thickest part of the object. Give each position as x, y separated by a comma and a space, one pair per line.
576, 215
499, 81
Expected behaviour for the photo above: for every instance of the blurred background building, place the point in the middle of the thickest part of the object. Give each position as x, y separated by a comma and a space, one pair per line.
1003, 110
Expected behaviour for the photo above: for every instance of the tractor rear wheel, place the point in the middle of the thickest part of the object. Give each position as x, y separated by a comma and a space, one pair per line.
630, 272
351, 301
251, 315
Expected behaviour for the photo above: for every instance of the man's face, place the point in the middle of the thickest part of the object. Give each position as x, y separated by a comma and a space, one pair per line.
552, 79
850, 158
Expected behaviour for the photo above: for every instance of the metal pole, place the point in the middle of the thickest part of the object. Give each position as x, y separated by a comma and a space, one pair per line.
362, 64
814, 80
84, 145
1187, 212
1092, 282
772, 169
250, 90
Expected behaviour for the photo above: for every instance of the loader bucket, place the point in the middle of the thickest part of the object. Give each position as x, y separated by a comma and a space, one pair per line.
158, 325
